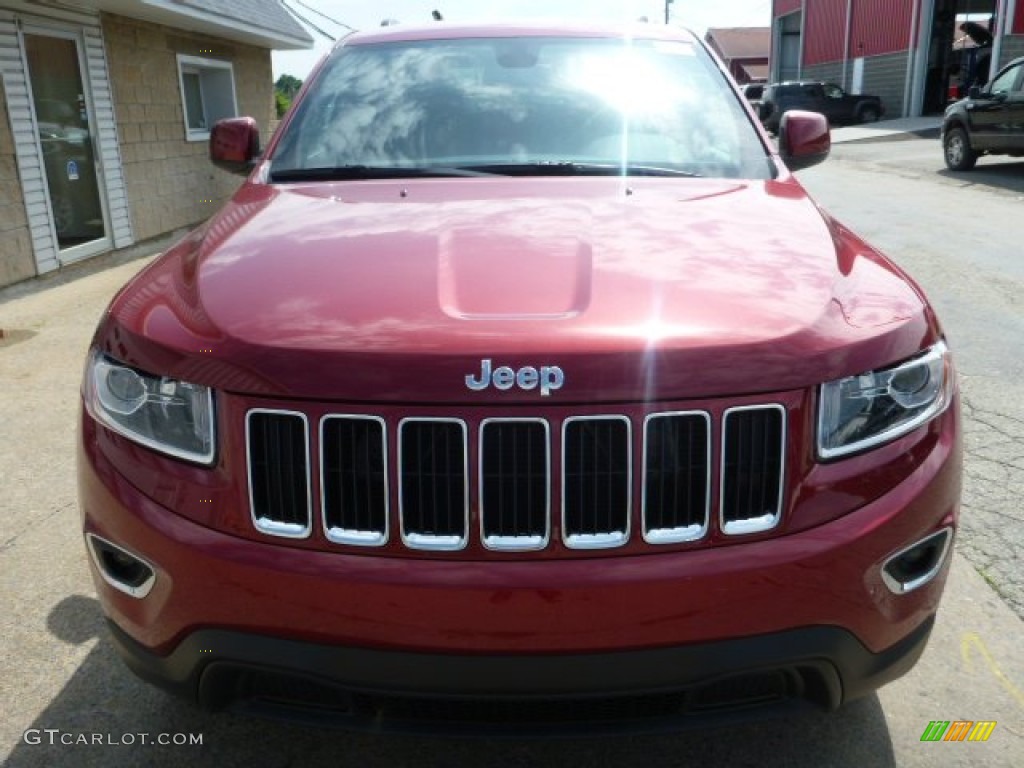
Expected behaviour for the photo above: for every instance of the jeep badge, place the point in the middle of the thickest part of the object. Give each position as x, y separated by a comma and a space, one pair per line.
549, 378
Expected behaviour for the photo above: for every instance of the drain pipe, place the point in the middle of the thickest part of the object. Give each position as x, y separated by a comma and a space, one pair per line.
997, 38
803, 33
846, 41
912, 56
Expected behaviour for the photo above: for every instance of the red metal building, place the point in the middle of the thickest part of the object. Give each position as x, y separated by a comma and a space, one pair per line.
902, 50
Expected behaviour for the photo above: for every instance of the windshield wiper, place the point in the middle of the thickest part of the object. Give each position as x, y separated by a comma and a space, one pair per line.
570, 168
357, 172
542, 168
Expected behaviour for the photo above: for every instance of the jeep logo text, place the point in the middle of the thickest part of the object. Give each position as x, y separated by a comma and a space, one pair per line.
549, 378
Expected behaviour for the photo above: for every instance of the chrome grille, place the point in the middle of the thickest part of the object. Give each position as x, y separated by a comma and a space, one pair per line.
515, 487
433, 488
427, 476
753, 449
353, 480
596, 479
677, 477
278, 455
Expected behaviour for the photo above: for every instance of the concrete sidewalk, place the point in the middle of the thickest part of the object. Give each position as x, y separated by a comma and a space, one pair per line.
79, 270
889, 130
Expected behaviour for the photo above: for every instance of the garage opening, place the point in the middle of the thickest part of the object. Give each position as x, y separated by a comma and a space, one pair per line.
959, 50
788, 29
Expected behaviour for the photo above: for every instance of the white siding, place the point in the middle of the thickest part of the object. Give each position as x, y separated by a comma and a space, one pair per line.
26, 148
28, 151
106, 133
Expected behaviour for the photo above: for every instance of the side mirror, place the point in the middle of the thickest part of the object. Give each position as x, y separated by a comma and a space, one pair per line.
974, 92
235, 144
804, 139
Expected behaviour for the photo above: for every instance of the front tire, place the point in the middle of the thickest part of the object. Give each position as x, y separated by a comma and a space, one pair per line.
869, 114
957, 150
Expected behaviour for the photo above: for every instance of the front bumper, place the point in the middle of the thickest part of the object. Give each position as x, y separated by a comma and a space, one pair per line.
628, 691
810, 609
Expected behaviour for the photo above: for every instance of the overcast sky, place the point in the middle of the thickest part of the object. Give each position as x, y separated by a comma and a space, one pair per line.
698, 15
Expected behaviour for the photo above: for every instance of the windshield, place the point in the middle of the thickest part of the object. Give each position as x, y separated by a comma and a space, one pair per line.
525, 105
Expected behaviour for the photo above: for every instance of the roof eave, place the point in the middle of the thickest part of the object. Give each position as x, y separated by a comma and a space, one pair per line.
192, 19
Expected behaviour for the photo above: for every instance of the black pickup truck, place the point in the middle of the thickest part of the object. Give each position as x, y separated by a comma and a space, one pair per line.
989, 121
827, 98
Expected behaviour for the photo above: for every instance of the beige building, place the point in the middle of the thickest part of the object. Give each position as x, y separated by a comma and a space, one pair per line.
105, 113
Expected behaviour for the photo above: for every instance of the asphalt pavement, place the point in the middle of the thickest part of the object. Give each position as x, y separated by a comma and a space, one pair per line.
899, 129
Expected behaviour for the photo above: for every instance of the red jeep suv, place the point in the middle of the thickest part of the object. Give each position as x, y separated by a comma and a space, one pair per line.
520, 385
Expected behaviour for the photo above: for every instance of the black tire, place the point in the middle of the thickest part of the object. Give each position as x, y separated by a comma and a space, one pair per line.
868, 114
957, 150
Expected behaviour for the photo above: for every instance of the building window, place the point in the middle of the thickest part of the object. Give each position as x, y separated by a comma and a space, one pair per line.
207, 94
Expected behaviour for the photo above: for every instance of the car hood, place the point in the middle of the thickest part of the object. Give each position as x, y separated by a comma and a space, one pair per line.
397, 291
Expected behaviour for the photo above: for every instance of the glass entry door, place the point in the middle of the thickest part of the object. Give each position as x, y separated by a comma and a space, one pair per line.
66, 134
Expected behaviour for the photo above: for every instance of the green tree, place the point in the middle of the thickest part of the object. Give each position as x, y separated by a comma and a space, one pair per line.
288, 85
284, 91
281, 103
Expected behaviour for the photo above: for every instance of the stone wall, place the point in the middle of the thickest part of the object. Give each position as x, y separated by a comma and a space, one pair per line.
1013, 47
830, 72
16, 261
170, 181
884, 76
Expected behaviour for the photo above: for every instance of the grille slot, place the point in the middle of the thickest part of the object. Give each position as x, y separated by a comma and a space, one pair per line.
753, 447
677, 477
433, 492
279, 493
596, 481
354, 485
515, 489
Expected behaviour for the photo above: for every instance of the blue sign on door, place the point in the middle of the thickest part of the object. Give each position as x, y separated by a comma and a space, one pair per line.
72, 170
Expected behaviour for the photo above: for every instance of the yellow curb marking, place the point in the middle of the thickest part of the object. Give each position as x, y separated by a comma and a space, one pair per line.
970, 639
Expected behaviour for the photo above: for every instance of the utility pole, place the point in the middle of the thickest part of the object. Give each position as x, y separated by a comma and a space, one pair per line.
667, 4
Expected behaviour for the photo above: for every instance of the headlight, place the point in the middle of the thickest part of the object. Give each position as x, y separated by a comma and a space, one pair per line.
170, 416
864, 411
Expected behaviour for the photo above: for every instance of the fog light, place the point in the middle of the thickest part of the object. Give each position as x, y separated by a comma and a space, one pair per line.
918, 564
121, 569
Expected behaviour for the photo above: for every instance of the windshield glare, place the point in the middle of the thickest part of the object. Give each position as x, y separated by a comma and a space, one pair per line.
467, 103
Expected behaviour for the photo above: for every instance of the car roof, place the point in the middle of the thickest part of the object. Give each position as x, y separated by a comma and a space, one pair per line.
450, 31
